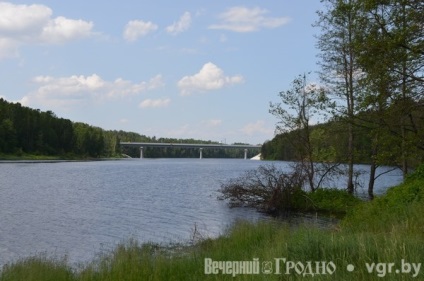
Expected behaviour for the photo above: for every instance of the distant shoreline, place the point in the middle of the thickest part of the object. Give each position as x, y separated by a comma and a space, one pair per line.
36, 161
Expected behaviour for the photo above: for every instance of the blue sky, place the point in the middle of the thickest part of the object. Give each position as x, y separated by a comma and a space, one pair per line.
182, 69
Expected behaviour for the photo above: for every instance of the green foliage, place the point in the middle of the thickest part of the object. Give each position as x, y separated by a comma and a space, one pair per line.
332, 200
402, 206
330, 139
298, 107
418, 174
7, 136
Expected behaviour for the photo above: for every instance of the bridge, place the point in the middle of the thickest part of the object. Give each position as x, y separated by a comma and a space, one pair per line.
200, 146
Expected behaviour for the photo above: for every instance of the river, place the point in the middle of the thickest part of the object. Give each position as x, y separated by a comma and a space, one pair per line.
80, 209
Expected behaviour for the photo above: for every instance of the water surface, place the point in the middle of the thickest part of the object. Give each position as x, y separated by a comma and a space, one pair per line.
81, 208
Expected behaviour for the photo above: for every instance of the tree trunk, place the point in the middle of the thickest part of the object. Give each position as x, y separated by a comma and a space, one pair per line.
350, 186
371, 182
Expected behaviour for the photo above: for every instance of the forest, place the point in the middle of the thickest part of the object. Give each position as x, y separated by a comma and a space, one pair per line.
25, 131
368, 106
329, 141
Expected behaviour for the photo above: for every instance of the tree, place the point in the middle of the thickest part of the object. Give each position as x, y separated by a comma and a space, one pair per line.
391, 52
339, 68
298, 106
7, 136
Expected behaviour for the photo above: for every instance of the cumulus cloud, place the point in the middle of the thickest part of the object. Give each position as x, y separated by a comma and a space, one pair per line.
79, 89
181, 25
155, 103
61, 30
23, 20
136, 29
29, 24
243, 19
210, 77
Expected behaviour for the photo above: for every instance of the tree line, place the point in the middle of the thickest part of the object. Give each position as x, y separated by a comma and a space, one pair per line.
370, 92
24, 130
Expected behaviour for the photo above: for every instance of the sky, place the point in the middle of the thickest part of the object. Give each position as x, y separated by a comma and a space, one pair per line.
179, 69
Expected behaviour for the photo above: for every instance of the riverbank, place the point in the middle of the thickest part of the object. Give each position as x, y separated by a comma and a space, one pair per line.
373, 235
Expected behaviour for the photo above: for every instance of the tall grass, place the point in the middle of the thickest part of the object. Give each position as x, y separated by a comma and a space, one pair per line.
388, 230
243, 242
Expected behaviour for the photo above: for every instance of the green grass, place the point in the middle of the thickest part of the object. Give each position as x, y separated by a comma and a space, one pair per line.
387, 230
330, 200
245, 241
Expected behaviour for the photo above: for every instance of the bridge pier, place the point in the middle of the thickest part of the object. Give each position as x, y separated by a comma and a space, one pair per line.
141, 152
201, 153
245, 153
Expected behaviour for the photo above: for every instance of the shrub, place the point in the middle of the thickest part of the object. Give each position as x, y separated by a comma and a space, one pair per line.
333, 200
267, 189
417, 174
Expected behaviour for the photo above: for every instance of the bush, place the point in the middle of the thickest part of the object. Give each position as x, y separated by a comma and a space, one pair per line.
272, 190
267, 189
333, 200
417, 174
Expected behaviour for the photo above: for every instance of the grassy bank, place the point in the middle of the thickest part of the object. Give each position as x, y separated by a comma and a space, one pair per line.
389, 229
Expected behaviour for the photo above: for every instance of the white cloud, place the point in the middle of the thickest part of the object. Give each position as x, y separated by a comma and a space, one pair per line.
79, 89
181, 25
60, 30
22, 20
33, 24
122, 88
210, 77
138, 28
155, 103
257, 127
242, 19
